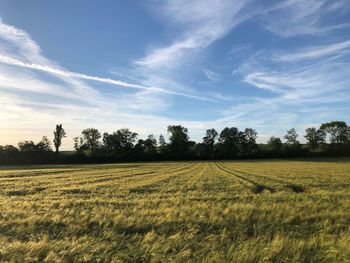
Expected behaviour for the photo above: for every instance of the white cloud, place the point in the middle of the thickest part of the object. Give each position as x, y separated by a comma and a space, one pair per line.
211, 75
204, 22
75, 75
298, 17
20, 39
316, 52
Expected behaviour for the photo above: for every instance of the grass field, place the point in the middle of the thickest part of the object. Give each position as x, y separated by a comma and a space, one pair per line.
251, 211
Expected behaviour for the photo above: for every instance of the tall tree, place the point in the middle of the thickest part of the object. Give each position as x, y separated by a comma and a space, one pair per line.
229, 139
314, 138
231, 136
58, 134
291, 137
338, 132
209, 141
210, 137
178, 140
91, 138
120, 142
249, 141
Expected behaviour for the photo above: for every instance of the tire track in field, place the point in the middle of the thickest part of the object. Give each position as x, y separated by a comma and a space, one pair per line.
284, 184
240, 180
76, 179
256, 186
22, 175
81, 188
290, 182
91, 176
172, 173
164, 179
71, 179
186, 182
156, 174
82, 179
27, 174
113, 181
275, 180
73, 175
213, 179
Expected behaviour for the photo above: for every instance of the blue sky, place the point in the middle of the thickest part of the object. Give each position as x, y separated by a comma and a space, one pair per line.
269, 65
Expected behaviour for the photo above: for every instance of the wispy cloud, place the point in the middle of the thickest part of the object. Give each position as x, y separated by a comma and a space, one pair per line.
316, 52
317, 86
19, 39
70, 74
205, 22
301, 82
297, 17
211, 75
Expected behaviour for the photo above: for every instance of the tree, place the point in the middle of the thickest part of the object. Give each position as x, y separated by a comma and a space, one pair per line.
150, 144
209, 141
79, 144
291, 137
27, 146
338, 132
162, 144
210, 136
249, 141
231, 136
314, 138
229, 139
275, 144
10, 149
58, 134
178, 140
162, 140
139, 148
119, 142
30, 146
44, 145
91, 138
8, 154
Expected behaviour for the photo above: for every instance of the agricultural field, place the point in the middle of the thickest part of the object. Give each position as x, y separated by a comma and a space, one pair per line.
239, 211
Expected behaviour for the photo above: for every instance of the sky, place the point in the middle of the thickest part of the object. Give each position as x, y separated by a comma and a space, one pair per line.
147, 64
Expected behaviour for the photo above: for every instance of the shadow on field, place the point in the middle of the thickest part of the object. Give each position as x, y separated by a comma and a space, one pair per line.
260, 188
296, 188
24, 192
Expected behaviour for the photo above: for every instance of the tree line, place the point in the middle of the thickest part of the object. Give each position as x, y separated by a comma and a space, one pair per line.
330, 139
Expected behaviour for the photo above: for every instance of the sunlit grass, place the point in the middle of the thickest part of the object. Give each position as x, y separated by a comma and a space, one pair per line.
251, 211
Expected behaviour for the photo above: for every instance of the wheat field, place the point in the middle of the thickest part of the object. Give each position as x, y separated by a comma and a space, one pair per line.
237, 211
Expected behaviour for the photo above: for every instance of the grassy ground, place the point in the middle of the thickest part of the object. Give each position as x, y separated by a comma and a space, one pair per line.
252, 211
